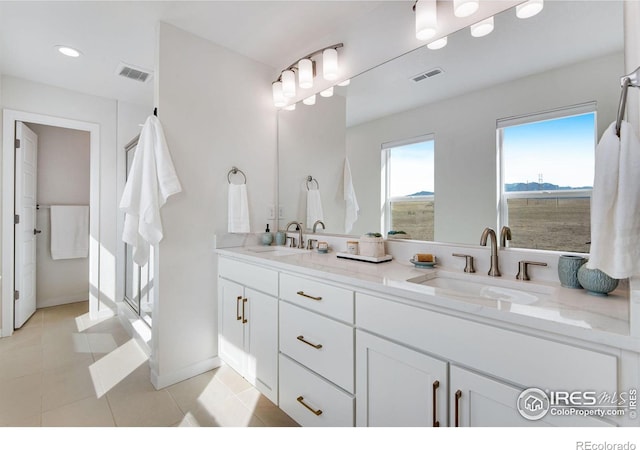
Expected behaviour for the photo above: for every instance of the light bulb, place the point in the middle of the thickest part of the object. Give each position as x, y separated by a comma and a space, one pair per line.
68, 51
290, 107
288, 78
327, 92
464, 8
330, 64
346, 82
482, 28
310, 100
529, 9
278, 97
305, 73
438, 44
426, 19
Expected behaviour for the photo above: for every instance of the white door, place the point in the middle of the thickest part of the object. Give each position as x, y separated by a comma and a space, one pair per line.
26, 158
397, 386
231, 331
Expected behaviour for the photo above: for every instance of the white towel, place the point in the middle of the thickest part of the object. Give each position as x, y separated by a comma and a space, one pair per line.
314, 207
351, 202
238, 209
69, 232
152, 179
615, 204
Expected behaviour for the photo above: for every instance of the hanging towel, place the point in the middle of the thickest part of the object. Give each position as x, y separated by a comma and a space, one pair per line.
314, 207
351, 202
152, 179
238, 209
615, 204
69, 232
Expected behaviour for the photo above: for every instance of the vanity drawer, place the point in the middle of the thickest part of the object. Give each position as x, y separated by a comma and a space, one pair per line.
322, 344
256, 277
299, 387
317, 296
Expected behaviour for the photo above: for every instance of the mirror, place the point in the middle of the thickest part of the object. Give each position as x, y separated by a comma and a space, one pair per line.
569, 54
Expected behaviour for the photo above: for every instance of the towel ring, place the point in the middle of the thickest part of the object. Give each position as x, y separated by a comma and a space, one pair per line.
310, 179
234, 170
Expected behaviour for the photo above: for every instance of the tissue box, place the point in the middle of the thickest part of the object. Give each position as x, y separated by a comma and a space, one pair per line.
372, 246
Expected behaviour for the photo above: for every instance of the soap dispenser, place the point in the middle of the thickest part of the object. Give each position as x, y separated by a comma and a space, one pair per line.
267, 237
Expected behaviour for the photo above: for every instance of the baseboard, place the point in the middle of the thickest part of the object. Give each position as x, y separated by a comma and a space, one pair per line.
56, 301
162, 381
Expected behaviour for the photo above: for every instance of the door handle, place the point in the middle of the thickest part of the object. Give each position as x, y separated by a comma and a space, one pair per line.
244, 301
238, 317
457, 411
436, 385
308, 296
316, 346
36, 231
317, 412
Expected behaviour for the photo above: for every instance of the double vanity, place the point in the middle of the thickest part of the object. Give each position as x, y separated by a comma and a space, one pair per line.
336, 342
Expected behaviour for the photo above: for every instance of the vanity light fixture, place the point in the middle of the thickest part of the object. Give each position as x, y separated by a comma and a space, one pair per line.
529, 8
327, 92
290, 107
464, 8
68, 51
438, 43
310, 100
426, 19
285, 86
482, 28
346, 82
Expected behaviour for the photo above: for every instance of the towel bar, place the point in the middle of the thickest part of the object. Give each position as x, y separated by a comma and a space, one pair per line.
631, 80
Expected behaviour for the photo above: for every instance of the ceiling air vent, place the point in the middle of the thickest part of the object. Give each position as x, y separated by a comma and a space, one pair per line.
134, 73
428, 74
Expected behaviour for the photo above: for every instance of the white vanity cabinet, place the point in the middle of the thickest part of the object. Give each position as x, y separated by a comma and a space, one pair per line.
248, 323
316, 352
397, 386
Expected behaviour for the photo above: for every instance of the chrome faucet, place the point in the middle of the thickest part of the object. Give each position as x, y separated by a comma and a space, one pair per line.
494, 271
505, 235
299, 229
316, 223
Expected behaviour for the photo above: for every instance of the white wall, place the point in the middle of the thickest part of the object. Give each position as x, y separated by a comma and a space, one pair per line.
465, 142
319, 131
63, 178
217, 112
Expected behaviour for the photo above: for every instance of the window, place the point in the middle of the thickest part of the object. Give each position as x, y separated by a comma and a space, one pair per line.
408, 188
547, 163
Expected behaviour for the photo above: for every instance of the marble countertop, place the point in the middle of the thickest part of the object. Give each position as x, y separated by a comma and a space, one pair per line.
544, 306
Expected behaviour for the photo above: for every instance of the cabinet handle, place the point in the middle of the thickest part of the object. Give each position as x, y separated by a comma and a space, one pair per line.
317, 412
244, 301
309, 296
238, 307
436, 385
316, 346
457, 412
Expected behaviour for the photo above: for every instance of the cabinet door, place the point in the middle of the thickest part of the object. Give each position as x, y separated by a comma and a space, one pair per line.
485, 402
262, 350
397, 386
231, 328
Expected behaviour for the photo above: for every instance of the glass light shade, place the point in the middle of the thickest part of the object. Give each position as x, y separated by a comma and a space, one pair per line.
278, 96
438, 44
330, 64
305, 73
529, 9
482, 28
290, 107
288, 78
346, 82
426, 19
464, 8
327, 92
310, 100
68, 51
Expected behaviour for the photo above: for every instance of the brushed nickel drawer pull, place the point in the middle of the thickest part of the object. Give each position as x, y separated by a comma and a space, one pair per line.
317, 412
309, 296
316, 346
244, 300
238, 317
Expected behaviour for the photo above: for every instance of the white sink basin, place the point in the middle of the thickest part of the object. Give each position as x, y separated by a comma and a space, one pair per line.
270, 250
520, 292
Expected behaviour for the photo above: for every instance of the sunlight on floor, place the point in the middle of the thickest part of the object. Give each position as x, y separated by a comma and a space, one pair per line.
114, 367
84, 322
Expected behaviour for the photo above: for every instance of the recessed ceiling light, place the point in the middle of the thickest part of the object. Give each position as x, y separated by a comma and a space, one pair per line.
68, 51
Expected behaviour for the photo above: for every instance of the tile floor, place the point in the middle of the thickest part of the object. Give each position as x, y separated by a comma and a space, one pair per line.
62, 370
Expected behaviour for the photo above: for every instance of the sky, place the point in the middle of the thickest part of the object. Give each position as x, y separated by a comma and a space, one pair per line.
561, 150
411, 169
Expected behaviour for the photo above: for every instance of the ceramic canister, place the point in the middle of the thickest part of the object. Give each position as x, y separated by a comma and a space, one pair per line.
568, 266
